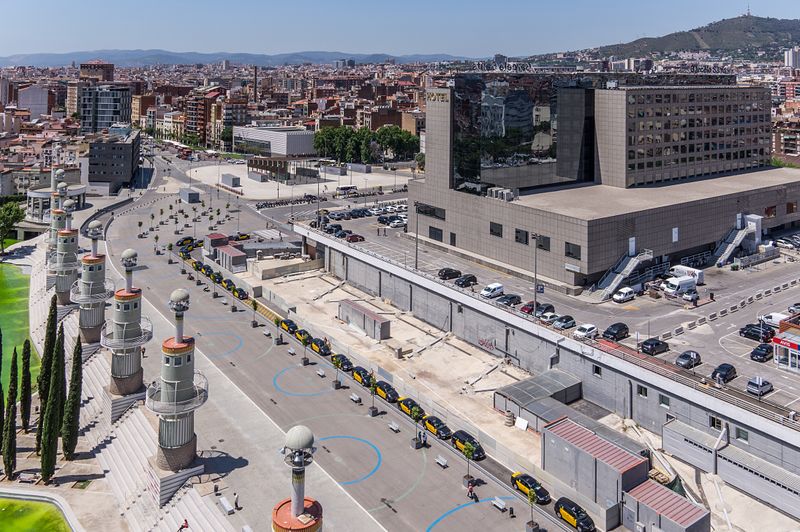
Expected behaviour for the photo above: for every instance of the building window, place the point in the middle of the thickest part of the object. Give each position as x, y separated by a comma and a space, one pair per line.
166, 361
452, 239
597, 371
770, 212
431, 211
791, 207
572, 250
178, 361
496, 229
641, 390
521, 236
435, 233
663, 400
188, 358
742, 435
543, 243
714, 422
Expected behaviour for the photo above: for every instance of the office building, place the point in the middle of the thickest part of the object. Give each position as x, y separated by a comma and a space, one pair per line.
103, 105
113, 160
791, 57
274, 141
73, 96
38, 99
97, 70
581, 201
5, 91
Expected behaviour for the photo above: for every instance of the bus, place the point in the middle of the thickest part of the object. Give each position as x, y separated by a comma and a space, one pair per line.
344, 191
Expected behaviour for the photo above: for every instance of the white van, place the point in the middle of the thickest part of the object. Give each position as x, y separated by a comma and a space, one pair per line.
345, 191
492, 291
623, 295
686, 271
774, 319
677, 286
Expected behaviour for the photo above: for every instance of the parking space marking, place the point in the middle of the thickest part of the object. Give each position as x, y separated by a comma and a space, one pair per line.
461, 507
792, 401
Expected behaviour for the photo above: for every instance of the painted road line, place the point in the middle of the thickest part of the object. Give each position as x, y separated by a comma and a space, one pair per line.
460, 507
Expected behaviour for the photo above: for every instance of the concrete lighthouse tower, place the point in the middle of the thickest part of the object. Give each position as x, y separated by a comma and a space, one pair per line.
125, 334
64, 261
298, 513
178, 392
58, 218
93, 289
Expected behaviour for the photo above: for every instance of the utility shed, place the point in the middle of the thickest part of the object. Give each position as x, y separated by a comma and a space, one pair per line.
374, 325
650, 507
596, 468
554, 383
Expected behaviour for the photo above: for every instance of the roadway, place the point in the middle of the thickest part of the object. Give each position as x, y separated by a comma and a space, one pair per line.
401, 487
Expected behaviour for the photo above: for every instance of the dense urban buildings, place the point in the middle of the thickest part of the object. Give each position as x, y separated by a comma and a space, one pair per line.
104, 105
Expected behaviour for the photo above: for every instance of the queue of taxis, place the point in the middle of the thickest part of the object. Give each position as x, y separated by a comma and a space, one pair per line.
436, 426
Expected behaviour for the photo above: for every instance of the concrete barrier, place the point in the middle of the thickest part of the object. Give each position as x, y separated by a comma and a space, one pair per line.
793, 282
723, 312
691, 325
712, 316
767, 293
759, 295
750, 299
776, 289
742, 303
666, 336
734, 308
784, 286
678, 331
701, 321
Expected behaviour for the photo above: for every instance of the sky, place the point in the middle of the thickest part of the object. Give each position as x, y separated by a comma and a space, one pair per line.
472, 28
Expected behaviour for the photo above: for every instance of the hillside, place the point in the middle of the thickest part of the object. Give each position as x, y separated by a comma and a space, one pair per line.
745, 33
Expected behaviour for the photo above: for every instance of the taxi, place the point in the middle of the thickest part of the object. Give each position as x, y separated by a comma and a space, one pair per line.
362, 376
227, 284
459, 440
436, 426
342, 362
574, 515
196, 265
240, 293
185, 255
319, 346
241, 236
386, 391
207, 270
302, 335
289, 326
188, 247
183, 241
216, 277
526, 484
407, 404
197, 243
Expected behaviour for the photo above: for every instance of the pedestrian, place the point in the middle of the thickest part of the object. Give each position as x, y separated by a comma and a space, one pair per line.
379, 231
236, 501
424, 439
143, 351
384, 231
470, 492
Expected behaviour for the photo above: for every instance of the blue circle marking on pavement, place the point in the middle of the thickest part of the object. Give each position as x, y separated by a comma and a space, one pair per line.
294, 394
450, 512
362, 440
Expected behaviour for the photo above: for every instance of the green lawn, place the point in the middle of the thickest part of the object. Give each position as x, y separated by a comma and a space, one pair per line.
30, 516
232, 155
8, 242
14, 318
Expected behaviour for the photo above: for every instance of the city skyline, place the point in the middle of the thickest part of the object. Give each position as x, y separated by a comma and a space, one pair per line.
445, 28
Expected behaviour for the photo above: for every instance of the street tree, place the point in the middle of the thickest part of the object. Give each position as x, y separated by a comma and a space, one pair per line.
10, 426
25, 387
10, 215
469, 453
52, 408
416, 415
72, 410
43, 383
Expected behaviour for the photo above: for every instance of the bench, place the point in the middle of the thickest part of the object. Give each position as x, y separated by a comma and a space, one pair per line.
226, 506
321, 373
355, 398
291, 351
394, 427
442, 461
499, 503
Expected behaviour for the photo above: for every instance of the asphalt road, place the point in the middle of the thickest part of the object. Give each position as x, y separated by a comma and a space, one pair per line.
402, 488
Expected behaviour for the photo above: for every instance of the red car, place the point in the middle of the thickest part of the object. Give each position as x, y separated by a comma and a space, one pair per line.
354, 238
527, 308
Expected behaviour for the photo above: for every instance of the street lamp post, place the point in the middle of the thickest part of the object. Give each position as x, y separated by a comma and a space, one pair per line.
416, 237
395, 180
365, 192
535, 237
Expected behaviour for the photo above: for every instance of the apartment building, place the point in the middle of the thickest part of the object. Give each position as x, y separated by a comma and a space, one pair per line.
97, 70
104, 105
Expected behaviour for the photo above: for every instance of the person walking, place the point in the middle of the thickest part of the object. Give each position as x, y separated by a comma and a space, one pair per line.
236, 501
470, 491
424, 439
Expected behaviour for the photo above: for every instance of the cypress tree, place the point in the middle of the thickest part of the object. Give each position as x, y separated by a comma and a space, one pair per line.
61, 395
50, 424
72, 410
44, 373
2, 407
10, 427
25, 386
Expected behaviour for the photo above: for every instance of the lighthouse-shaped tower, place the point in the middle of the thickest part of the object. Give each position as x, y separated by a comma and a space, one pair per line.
58, 218
125, 334
178, 392
298, 513
93, 289
64, 261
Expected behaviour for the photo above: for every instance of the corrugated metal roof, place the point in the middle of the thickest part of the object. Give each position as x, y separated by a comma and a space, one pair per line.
592, 444
534, 388
667, 503
761, 467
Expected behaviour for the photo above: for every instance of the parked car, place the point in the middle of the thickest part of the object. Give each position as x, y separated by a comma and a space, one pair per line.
436, 426
564, 322
397, 223
509, 300
794, 308
466, 280
759, 386
762, 353
384, 219
654, 346
240, 293
724, 372
574, 515
344, 233
784, 244
548, 318
461, 437
688, 360
183, 241
691, 295
289, 326
448, 273
587, 331
354, 238
525, 483
616, 332
543, 308
758, 332
319, 346
492, 291
386, 391
332, 228
375, 211
623, 295
342, 362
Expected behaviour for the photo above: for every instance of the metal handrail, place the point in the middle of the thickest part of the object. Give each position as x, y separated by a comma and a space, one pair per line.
70, 261
156, 404
778, 414
76, 295
108, 341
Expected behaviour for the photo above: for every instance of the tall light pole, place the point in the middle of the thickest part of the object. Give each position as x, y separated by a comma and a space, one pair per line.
365, 192
535, 237
416, 237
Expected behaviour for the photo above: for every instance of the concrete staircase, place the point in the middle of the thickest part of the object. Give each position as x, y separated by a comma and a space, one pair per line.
614, 277
729, 244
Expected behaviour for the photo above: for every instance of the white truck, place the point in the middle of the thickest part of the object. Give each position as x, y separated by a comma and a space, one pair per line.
676, 286
685, 271
774, 319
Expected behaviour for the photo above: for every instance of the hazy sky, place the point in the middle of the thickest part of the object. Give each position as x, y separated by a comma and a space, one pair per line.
473, 28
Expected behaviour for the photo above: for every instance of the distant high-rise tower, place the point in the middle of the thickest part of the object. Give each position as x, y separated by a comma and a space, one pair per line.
93, 289
791, 57
255, 83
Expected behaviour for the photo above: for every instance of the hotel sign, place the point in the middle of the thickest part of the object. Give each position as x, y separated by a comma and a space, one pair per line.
441, 97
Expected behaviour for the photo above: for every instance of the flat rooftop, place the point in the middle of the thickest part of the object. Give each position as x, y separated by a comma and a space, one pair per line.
592, 202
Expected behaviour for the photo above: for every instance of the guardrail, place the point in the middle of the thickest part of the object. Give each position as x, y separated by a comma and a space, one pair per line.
157, 403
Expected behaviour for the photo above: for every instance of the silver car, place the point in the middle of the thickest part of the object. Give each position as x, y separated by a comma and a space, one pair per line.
759, 386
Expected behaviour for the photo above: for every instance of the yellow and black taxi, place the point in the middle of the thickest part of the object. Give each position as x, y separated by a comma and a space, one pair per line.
240, 236
289, 326
188, 247
227, 284
216, 277
460, 439
183, 241
574, 515
185, 255
436, 426
527, 484
362, 376
240, 293
406, 406
319, 346
206, 270
197, 265
197, 243
302, 335
386, 391
342, 362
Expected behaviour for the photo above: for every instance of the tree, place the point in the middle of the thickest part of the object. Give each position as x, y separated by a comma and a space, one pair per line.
10, 426
72, 410
140, 224
416, 415
373, 388
10, 215
469, 452
1, 387
226, 135
25, 387
49, 451
44, 374
531, 501
254, 304
420, 159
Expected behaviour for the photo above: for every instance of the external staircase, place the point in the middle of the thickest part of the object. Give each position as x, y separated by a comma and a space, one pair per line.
614, 277
729, 244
